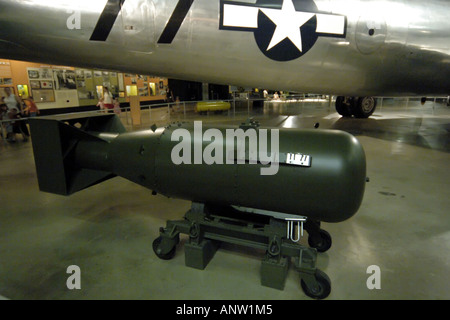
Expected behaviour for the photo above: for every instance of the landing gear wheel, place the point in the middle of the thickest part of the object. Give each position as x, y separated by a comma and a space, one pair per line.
322, 288
343, 107
157, 249
364, 107
322, 242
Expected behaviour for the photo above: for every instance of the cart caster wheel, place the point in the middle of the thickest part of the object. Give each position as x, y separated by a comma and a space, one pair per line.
321, 289
322, 243
158, 252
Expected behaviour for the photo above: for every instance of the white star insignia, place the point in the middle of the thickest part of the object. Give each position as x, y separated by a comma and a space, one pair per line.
288, 22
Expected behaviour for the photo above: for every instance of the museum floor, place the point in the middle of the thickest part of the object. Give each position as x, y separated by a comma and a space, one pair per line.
403, 225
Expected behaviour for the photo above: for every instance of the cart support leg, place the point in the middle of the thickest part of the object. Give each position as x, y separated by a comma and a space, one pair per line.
198, 255
274, 271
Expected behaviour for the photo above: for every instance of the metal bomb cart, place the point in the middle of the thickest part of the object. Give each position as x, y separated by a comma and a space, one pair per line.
277, 234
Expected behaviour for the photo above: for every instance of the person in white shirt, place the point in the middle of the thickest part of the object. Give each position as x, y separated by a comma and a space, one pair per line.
14, 105
12, 102
107, 99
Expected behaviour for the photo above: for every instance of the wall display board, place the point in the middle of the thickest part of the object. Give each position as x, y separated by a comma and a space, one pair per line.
43, 95
40, 74
143, 86
41, 84
85, 86
22, 90
64, 79
55, 87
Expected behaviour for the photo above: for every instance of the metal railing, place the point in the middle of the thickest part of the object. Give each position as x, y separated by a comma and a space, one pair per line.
164, 113
151, 113
186, 110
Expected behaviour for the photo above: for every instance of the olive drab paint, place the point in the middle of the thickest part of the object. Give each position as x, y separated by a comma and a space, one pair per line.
239, 146
320, 174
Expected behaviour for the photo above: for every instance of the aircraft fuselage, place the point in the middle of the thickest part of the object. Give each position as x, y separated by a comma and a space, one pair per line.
345, 47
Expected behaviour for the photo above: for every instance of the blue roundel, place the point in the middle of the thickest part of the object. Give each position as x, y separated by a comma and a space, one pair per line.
286, 28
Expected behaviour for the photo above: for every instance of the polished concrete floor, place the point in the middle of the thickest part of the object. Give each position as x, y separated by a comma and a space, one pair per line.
403, 225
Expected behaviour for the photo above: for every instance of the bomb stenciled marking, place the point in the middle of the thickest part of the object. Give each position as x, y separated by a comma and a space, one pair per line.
234, 148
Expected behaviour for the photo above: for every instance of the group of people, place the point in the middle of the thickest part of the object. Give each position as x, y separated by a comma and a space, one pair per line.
13, 108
